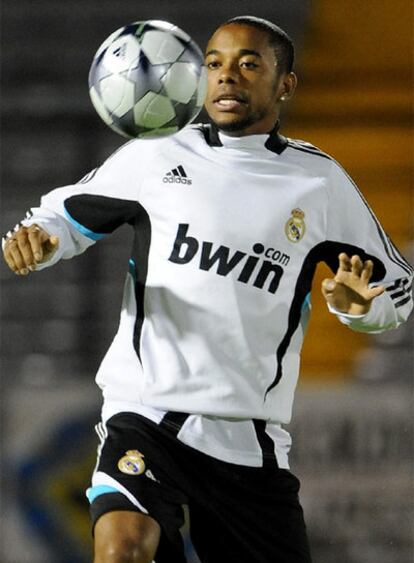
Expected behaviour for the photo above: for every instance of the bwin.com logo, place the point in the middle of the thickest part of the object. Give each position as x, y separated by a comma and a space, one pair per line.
220, 259
177, 176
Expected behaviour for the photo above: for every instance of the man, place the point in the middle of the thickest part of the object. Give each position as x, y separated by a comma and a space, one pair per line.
201, 374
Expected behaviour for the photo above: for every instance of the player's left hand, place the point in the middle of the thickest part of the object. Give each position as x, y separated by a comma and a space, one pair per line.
349, 292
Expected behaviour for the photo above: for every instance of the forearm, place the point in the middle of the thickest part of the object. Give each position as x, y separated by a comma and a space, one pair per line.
383, 315
71, 242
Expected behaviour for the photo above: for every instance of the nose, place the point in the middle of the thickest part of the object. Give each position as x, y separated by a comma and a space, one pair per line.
226, 79
228, 74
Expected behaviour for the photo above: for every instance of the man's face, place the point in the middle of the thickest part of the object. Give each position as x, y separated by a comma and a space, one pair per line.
244, 84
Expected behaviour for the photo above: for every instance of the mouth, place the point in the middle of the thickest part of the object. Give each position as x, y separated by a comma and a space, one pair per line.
229, 102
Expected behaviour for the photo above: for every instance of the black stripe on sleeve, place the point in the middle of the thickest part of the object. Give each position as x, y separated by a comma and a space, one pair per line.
100, 214
403, 291
399, 283
402, 302
399, 257
400, 288
315, 151
397, 294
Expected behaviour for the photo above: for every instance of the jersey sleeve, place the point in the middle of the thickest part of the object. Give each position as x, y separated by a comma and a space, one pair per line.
354, 228
103, 200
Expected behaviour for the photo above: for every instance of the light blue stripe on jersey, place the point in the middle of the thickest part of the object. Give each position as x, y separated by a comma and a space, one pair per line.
87, 232
98, 490
306, 303
132, 268
305, 312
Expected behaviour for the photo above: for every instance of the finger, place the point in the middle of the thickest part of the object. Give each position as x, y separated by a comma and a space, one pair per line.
50, 246
15, 255
344, 262
328, 287
356, 265
54, 241
375, 291
9, 259
36, 234
367, 271
25, 248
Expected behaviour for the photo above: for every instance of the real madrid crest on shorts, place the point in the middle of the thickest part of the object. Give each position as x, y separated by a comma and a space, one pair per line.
132, 463
295, 226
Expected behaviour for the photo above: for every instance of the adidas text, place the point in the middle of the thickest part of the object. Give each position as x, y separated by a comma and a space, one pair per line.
177, 176
176, 180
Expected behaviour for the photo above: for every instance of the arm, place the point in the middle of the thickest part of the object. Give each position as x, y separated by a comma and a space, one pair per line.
352, 294
72, 218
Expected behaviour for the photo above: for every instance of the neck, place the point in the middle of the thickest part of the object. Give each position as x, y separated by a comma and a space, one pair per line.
249, 131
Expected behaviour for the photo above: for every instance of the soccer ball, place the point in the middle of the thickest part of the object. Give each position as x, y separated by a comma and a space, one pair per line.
148, 79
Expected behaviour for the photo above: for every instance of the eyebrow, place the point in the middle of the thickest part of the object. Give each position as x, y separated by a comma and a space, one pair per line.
241, 52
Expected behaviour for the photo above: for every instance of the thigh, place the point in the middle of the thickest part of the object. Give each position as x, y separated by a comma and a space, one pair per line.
250, 515
125, 536
135, 476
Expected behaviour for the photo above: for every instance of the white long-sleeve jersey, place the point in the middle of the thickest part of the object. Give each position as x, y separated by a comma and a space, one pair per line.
228, 233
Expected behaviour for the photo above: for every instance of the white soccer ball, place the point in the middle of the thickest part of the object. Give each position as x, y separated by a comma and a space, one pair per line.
148, 79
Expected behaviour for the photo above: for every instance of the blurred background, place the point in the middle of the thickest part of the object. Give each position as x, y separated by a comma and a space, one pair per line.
353, 417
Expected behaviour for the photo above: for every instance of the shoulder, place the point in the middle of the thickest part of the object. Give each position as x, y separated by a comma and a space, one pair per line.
148, 147
138, 151
306, 148
315, 158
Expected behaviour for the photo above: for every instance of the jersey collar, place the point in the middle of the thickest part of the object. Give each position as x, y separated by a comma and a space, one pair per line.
274, 142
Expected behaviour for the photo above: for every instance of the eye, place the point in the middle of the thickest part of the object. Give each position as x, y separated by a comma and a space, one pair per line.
213, 65
250, 65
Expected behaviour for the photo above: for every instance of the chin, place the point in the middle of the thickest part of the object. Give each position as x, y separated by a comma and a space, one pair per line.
233, 125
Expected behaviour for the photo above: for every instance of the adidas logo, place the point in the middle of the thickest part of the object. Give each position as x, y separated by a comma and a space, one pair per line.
177, 176
120, 51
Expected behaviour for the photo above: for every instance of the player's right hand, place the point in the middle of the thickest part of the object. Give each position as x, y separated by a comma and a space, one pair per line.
25, 247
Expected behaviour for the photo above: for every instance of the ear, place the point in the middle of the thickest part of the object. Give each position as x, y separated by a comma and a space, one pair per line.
287, 86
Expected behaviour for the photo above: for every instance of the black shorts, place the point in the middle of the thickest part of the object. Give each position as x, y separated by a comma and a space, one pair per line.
237, 514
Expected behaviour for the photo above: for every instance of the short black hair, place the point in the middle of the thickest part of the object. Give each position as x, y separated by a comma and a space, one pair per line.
278, 39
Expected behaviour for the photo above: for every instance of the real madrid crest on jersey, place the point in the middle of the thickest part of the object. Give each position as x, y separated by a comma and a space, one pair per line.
132, 463
295, 226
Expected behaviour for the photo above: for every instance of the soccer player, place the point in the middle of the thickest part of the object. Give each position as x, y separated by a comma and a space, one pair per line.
201, 374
